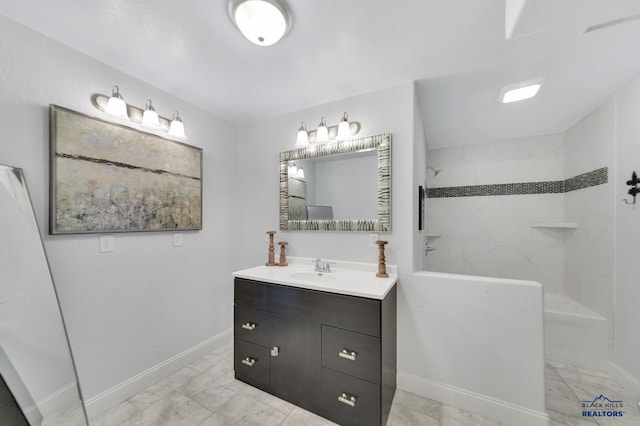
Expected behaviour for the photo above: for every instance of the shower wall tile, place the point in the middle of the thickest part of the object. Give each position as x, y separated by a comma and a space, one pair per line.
528, 159
492, 236
588, 277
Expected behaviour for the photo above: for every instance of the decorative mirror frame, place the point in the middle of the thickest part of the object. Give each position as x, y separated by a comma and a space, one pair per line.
380, 142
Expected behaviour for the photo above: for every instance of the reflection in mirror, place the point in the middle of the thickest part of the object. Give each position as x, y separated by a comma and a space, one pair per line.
35, 358
343, 186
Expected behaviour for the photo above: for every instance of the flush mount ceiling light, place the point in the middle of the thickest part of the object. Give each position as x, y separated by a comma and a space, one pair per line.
520, 93
262, 22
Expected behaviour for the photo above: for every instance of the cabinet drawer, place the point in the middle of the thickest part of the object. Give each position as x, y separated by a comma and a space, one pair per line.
354, 313
251, 325
251, 363
351, 353
350, 401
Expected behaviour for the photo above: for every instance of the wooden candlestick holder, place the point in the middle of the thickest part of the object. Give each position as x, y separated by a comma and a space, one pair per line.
272, 260
382, 267
283, 257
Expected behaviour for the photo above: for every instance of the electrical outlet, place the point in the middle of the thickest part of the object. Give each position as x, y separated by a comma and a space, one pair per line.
372, 240
177, 240
106, 243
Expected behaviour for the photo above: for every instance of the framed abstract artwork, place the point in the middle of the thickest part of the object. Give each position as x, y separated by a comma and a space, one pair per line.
105, 177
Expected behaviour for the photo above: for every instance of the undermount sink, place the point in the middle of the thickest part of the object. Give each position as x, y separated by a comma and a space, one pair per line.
313, 276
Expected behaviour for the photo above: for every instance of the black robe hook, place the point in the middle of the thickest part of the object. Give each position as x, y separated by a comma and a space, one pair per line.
634, 190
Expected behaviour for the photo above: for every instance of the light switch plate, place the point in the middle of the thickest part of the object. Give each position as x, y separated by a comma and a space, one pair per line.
372, 240
106, 243
177, 240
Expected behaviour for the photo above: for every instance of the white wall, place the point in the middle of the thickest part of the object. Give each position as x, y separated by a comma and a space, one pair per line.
627, 231
492, 235
588, 269
256, 207
147, 301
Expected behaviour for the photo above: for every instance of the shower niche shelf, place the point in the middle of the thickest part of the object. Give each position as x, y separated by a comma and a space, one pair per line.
556, 225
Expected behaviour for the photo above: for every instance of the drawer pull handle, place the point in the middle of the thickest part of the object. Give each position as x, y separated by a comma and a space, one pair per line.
350, 400
347, 354
249, 326
249, 361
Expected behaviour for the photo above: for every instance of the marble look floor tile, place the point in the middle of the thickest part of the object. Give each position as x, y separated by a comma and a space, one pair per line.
161, 389
70, 415
241, 408
299, 417
207, 361
560, 419
403, 416
417, 403
550, 372
268, 399
199, 383
452, 416
559, 397
174, 409
569, 369
117, 415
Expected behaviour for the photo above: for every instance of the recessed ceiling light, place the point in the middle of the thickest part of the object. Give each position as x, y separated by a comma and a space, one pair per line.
521, 93
262, 22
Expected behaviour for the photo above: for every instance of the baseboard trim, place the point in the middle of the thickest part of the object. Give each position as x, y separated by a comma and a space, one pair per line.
628, 381
484, 405
113, 396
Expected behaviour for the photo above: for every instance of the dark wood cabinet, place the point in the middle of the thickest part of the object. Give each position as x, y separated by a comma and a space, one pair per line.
332, 354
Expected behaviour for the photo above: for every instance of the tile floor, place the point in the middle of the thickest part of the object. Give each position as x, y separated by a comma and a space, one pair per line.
206, 393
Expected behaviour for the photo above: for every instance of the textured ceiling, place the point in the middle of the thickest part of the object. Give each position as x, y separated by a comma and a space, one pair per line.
456, 50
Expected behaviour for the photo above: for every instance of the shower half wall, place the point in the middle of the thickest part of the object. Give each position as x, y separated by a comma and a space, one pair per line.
537, 208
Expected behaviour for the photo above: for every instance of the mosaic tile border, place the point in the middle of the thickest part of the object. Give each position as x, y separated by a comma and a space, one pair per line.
585, 180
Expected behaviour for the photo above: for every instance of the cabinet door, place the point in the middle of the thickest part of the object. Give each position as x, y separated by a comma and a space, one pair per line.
295, 371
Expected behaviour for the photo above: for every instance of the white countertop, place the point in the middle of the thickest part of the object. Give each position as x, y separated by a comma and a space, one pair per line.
350, 278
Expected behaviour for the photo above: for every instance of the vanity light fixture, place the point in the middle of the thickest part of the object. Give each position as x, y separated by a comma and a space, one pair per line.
322, 133
344, 130
520, 93
116, 106
148, 118
300, 172
262, 22
303, 136
176, 128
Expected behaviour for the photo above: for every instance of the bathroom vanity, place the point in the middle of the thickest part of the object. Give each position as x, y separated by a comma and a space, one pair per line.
325, 342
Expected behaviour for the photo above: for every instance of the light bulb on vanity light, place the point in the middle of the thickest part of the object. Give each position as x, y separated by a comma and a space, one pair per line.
116, 106
303, 136
293, 170
322, 133
176, 128
344, 128
150, 116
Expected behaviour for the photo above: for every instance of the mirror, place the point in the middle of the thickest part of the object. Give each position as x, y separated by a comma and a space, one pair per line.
35, 358
339, 186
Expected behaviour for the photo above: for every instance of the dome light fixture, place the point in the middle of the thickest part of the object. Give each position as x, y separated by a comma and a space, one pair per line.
262, 22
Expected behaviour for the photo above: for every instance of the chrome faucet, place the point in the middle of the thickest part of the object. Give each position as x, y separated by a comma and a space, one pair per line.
322, 266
